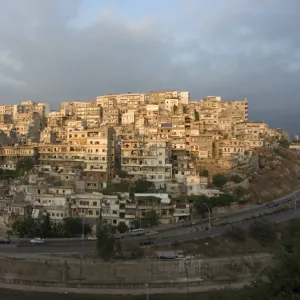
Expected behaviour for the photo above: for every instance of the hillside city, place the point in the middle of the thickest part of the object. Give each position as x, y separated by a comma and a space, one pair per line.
117, 158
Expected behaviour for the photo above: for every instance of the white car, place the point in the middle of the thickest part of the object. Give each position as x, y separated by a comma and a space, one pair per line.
37, 241
92, 238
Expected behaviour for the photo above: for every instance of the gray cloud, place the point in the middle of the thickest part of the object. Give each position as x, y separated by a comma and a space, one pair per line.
232, 48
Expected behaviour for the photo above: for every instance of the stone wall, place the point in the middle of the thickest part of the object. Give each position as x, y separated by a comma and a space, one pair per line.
72, 273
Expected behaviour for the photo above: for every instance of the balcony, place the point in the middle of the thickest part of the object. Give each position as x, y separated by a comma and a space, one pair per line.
97, 161
95, 169
132, 206
130, 163
131, 216
108, 215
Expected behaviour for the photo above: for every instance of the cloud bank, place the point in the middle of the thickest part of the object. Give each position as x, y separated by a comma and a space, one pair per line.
53, 51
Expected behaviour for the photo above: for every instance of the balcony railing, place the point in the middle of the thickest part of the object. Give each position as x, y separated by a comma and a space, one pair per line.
130, 216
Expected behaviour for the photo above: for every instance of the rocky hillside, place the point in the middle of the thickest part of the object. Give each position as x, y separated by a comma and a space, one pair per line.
271, 173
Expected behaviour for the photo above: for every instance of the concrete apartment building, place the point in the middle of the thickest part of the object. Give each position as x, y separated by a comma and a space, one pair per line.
9, 155
160, 136
122, 209
92, 150
100, 154
147, 159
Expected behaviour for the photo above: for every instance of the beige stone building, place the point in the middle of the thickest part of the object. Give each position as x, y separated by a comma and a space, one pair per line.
147, 159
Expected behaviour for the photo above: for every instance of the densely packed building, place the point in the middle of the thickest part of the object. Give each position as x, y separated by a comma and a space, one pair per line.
161, 136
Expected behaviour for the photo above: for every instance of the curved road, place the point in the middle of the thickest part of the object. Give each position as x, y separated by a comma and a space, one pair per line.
67, 246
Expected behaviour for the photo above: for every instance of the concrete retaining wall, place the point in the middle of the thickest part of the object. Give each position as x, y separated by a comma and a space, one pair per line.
157, 273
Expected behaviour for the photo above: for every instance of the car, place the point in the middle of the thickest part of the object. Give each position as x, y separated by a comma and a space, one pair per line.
92, 238
37, 241
146, 243
5, 240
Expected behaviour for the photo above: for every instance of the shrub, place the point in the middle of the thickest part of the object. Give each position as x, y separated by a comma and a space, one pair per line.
237, 234
122, 227
284, 143
222, 200
204, 173
219, 180
239, 191
263, 232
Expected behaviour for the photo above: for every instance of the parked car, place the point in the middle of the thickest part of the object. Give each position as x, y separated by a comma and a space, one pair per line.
137, 232
147, 243
92, 238
37, 241
5, 240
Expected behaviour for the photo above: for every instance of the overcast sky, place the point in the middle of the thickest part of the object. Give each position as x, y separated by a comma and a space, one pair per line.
58, 50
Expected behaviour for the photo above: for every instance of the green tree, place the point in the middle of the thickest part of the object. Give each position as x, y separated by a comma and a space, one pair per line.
140, 186
136, 224
73, 227
197, 117
7, 174
282, 281
284, 143
105, 244
151, 218
239, 191
143, 186
219, 180
24, 165
122, 174
175, 108
200, 205
46, 228
222, 200
122, 227
121, 187
204, 173
26, 228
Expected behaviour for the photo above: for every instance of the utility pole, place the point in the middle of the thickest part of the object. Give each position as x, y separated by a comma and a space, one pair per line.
208, 216
295, 203
82, 235
187, 279
140, 218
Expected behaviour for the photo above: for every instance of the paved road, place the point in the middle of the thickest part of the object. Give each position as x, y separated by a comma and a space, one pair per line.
89, 247
242, 214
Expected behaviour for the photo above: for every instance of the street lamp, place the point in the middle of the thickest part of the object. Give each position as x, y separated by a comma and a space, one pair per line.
140, 218
147, 292
82, 238
82, 234
208, 216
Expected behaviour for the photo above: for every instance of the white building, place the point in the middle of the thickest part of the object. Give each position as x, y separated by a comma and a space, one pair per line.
148, 159
128, 118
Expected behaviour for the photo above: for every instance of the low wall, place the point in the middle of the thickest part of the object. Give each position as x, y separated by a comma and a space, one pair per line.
126, 274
